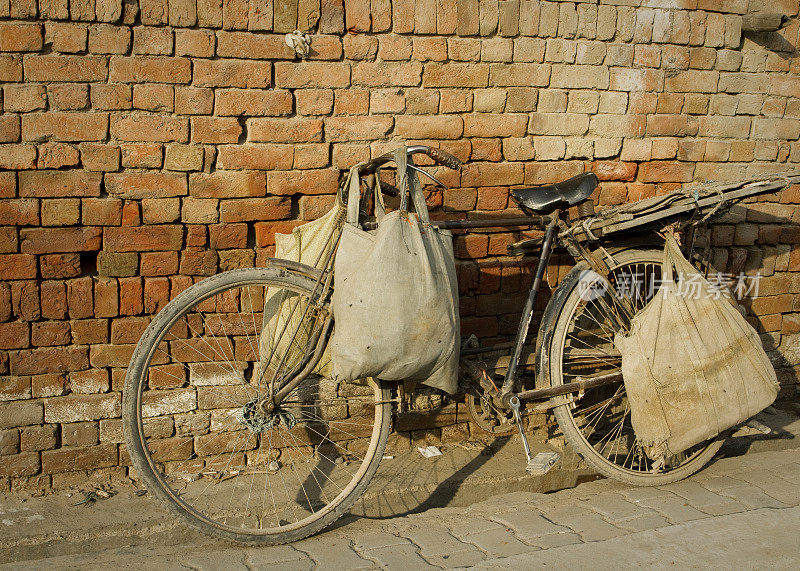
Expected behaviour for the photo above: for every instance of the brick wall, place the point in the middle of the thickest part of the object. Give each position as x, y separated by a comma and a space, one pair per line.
146, 144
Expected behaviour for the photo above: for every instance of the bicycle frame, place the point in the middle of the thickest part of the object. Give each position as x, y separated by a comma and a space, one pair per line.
510, 387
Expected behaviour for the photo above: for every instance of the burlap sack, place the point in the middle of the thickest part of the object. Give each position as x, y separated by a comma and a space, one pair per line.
692, 366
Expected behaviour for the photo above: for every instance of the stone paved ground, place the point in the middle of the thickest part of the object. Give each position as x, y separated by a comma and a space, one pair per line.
741, 511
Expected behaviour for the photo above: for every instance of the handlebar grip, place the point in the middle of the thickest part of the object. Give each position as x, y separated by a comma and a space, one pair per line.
443, 158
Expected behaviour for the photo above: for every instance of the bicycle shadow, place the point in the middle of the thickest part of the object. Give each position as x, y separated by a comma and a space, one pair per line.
391, 496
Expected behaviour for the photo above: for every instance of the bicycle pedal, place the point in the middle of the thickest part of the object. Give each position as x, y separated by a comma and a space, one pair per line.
542, 463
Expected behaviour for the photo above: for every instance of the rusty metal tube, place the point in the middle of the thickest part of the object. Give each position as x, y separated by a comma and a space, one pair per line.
573, 387
491, 222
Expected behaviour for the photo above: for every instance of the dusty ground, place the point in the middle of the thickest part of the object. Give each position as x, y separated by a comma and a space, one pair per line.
742, 508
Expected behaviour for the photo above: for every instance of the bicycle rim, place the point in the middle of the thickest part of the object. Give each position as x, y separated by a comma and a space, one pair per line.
197, 434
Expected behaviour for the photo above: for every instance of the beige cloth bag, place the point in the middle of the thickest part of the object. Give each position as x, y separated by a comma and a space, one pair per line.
692, 366
308, 244
395, 297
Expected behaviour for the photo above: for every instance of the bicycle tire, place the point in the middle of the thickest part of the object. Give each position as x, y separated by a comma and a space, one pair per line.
582, 422
190, 405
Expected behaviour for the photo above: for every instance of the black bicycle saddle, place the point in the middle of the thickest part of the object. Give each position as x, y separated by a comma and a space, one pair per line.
546, 198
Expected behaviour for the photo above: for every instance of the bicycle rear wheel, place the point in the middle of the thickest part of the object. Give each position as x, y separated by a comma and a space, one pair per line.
198, 437
579, 329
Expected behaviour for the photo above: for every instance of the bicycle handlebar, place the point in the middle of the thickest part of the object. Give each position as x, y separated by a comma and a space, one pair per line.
439, 156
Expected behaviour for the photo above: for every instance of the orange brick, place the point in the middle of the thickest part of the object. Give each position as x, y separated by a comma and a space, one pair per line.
227, 184
110, 97
57, 155
249, 209
458, 75
107, 39
17, 157
262, 157
146, 184
613, 170
49, 360
247, 45
666, 171
19, 212
153, 69
9, 130
18, 266
357, 128
54, 298
24, 98
429, 127
64, 37
194, 101
59, 183
72, 458
155, 128
197, 43
322, 181
471, 246
295, 130
232, 73
10, 68
492, 174
312, 74
149, 40
99, 157
158, 263
224, 236
387, 74
20, 36
142, 156
50, 333
101, 211
143, 239
65, 126
15, 335
65, 68
65, 265
215, 130
154, 97
47, 240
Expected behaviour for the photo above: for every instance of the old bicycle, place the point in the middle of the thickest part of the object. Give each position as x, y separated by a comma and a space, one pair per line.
232, 422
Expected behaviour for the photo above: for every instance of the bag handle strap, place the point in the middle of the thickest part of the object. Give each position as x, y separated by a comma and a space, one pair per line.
675, 262
407, 177
353, 185
379, 205
667, 273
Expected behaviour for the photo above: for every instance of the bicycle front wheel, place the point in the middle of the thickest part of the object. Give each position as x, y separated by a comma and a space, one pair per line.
579, 332
198, 436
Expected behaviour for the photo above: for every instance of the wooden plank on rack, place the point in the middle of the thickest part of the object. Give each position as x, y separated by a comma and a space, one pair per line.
730, 191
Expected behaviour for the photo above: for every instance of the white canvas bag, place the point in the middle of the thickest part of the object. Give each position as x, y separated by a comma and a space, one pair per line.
395, 297
692, 366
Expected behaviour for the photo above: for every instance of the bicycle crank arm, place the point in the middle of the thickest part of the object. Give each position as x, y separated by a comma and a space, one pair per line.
579, 386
